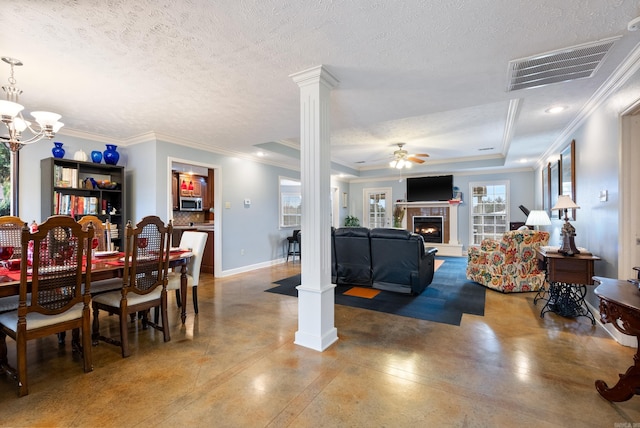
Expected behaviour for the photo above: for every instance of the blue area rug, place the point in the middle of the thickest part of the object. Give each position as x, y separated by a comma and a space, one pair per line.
445, 300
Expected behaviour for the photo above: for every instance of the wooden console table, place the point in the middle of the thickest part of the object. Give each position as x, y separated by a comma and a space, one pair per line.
568, 277
620, 305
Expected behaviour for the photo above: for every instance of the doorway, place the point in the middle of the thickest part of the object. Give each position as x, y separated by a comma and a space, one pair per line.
377, 207
214, 174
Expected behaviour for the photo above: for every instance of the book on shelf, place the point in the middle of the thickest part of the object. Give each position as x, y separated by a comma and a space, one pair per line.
65, 177
74, 205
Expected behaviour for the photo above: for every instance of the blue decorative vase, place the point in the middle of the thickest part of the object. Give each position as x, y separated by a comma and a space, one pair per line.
111, 156
96, 156
58, 151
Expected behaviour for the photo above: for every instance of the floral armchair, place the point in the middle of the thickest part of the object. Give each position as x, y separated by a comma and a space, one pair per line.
509, 265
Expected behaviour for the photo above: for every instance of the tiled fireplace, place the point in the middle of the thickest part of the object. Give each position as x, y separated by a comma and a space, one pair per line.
446, 213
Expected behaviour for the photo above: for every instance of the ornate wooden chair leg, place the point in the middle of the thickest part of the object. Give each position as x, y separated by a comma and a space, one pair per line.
95, 336
3, 352
124, 336
61, 337
195, 298
178, 298
21, 348
75, 340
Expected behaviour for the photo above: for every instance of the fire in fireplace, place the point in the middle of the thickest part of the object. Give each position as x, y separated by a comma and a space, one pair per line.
429, 227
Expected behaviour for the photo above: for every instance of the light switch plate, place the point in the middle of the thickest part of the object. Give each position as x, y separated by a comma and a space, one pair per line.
227, 205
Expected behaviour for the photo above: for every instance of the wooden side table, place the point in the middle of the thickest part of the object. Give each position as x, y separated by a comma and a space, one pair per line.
568, 277
620, 305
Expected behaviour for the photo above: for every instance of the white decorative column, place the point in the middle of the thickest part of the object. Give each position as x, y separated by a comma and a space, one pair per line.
316, 298
453, 221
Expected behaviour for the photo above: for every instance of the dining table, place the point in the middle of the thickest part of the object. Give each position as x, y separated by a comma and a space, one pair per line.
107, 266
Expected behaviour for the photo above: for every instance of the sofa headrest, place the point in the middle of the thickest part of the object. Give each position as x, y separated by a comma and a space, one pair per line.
390, 233
358, 232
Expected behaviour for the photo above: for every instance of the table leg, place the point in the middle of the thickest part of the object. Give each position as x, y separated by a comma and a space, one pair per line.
627, 386
183, 292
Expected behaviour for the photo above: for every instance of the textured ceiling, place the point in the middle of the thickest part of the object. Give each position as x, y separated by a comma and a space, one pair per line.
428, 73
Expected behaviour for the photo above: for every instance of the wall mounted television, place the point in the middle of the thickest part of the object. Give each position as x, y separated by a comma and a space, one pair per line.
436, 188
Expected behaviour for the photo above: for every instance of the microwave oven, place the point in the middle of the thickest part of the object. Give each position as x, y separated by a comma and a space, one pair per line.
190, 204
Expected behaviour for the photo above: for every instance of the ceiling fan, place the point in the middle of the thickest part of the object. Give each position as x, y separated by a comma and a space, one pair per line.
402, 158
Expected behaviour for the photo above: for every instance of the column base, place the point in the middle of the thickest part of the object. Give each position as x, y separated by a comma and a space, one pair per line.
316, 328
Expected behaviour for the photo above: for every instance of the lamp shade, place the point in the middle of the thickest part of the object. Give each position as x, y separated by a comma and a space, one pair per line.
9, 108
565, 203
538, 218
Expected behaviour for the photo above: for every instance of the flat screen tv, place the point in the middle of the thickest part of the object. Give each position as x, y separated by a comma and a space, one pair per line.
437, 188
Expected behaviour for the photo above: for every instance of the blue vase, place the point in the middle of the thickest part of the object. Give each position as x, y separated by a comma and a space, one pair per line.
111, 156
96, 156
58, 151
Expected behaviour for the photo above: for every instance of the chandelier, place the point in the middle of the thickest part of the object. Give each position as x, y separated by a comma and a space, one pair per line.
11, 115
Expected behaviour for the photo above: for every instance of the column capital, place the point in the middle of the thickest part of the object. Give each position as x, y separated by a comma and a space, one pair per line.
317, 74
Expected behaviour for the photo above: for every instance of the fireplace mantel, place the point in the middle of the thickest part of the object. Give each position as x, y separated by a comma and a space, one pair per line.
453, 247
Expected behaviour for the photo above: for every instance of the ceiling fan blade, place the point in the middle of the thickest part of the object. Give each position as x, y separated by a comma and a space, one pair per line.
415, 160
420, 154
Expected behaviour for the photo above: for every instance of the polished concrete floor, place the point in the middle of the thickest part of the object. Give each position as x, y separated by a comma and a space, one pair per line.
235, 365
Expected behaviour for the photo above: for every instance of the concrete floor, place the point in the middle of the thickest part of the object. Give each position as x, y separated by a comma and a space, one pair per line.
235, 364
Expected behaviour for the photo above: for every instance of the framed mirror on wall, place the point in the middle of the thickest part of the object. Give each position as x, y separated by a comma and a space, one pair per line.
545, 189
554, 187
568, 174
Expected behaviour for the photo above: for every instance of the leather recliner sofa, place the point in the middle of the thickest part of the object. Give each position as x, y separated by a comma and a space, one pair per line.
387, 259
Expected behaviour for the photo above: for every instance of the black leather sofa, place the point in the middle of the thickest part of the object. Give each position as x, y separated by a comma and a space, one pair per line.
387, 259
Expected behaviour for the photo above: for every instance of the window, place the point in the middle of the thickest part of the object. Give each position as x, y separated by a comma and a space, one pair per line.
290, 202
489, 211
5, 180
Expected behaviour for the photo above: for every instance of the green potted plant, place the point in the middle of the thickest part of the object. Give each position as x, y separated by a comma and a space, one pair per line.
351, 221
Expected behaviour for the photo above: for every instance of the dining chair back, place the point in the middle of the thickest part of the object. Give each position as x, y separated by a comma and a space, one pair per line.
53, 267
98, 231
196, 242
144, 281
10, 249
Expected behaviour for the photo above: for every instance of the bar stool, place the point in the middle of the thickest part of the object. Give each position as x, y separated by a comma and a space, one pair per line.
293, 248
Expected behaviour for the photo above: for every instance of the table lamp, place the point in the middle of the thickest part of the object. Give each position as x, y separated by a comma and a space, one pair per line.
568, 232
538, 218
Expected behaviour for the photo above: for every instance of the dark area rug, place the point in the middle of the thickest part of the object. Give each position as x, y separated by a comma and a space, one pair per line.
444, 301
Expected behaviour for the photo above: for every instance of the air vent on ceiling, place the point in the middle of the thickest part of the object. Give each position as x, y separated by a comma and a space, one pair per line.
563, 65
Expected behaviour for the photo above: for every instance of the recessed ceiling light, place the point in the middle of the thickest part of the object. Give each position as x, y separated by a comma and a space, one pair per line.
260, 154
556, 109
523, 160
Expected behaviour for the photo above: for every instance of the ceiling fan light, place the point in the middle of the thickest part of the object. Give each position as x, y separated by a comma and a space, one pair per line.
393, 163
407, 165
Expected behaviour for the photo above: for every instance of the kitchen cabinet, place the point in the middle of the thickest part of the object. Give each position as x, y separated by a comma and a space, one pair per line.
208, 255
206, 201
174, 192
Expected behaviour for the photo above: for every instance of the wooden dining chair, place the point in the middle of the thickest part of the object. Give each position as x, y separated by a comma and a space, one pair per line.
195, 241
10, 236
98, 230
58, 303
102, 286
144, 282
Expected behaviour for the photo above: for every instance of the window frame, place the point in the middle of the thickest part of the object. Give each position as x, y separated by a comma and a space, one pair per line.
287, 198
498, 228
